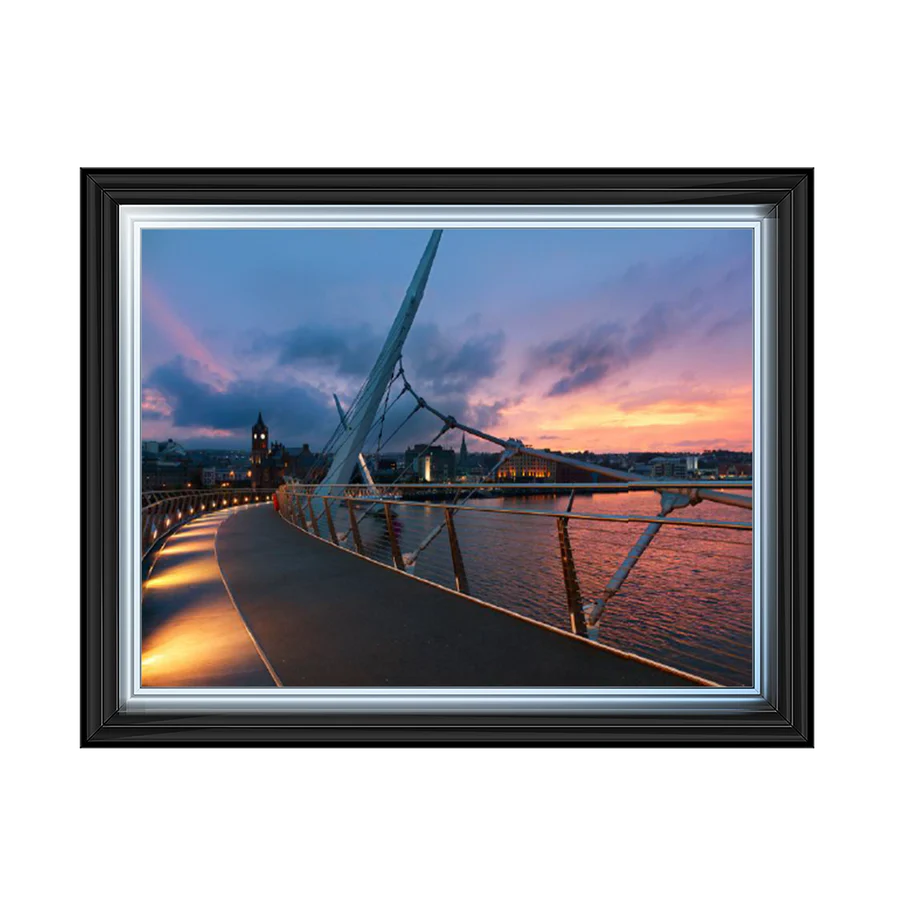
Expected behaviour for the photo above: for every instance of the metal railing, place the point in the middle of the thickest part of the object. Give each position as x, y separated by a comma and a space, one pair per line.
443, 538
164, 511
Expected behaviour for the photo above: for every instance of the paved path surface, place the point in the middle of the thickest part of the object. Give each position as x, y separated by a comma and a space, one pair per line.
326, 618
192, 634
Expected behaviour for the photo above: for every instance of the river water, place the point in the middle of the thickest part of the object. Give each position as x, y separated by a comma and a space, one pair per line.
687, 602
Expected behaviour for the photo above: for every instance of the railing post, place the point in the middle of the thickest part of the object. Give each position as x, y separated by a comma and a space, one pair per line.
354, 525
312, 516
459, 569
297, 506
392, 537
570, 576
330, 521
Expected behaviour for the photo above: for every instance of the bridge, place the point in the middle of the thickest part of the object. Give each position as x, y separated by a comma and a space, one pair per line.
339, 581
259, 590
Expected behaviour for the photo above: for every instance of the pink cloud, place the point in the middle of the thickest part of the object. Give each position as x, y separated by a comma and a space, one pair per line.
179, 335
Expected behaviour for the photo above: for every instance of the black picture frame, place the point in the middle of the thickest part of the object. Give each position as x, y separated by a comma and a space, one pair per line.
785, 718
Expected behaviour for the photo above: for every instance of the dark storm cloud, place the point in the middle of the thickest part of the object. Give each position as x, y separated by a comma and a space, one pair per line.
347, 349
291, 410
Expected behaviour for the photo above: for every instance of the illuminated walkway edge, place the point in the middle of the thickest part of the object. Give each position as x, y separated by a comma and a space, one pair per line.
192, 632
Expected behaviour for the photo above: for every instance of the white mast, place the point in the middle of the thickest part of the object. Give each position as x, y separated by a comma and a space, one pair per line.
359, 420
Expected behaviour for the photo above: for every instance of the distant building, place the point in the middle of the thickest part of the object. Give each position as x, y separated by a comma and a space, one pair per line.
170, 450
431, 464
735, 470
300, 460
671, 467
462, 464
231, 476
164, 465
271, 462
524, 466
259, 447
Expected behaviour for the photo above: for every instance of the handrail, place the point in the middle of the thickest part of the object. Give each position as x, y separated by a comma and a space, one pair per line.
308, 507
159, 518
741, 484
381, 499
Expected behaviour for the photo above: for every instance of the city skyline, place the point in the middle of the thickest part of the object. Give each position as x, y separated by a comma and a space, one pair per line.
610, 340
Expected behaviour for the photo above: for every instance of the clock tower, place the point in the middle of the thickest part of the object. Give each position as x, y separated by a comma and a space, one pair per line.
259, 447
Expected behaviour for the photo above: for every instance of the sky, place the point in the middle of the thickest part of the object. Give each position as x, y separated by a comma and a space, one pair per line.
611, 340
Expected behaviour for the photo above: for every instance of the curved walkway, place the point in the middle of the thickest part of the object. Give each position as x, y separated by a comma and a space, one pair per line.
328, 618
243, 599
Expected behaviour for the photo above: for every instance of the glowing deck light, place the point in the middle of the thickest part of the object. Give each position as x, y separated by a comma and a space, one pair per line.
191, 573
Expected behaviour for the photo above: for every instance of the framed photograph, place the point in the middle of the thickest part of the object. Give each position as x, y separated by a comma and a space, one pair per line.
446, 457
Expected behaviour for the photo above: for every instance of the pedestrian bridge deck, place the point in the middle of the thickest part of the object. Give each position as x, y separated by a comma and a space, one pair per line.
323, 617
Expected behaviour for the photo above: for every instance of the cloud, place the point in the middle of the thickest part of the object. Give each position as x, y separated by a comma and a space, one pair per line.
154, 407
444, 365
488, 415
687, 293
344, 349
586, 357
158, 312
678, 397
738, 318
293, 411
